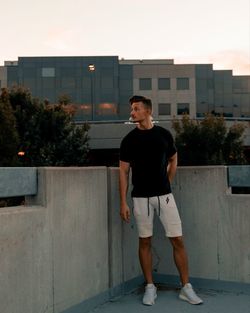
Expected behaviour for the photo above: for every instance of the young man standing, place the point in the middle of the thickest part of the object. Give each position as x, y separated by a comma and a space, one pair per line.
150, 152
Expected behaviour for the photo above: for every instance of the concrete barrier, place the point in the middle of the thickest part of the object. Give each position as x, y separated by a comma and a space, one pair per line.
215, 224
18, 181
67, 249
55, 250
239, 176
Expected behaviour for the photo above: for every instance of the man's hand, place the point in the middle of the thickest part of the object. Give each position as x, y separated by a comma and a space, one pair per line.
125, 213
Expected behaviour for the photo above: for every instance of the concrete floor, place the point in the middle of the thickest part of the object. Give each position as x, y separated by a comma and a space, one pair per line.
167, 301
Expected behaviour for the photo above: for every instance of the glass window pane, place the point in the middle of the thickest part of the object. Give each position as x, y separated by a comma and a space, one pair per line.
145, 84
48, 72
182, 108
68, 82
182, 83
163, 83
164, 109
107, 82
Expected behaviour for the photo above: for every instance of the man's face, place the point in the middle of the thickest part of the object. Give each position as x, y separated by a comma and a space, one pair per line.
139, 112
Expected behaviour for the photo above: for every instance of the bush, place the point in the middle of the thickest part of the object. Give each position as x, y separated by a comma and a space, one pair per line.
208, 142
47, 134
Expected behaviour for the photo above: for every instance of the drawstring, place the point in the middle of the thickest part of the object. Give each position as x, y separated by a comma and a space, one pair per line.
159, 205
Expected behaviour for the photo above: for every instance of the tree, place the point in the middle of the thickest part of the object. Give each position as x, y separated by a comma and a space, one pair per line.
47, 133
208, 142
9, 140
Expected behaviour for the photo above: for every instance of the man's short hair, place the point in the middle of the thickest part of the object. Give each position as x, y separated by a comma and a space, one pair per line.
146, 101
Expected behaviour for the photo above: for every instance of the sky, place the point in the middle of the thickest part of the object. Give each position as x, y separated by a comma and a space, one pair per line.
188, 31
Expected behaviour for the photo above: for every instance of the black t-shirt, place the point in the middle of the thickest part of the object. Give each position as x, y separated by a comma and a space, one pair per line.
148, 151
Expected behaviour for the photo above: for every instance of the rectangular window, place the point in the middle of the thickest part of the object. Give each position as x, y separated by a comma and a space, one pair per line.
182, 83
182, 108
107, 82
107, 108
48, 72
68, 82
145, 84
163, 83
164, 109
48, 83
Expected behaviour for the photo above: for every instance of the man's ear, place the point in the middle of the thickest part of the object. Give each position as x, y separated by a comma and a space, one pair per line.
150, 111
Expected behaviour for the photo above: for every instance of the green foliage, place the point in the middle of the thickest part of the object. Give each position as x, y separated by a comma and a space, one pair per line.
208, 142
47, 135
8, 134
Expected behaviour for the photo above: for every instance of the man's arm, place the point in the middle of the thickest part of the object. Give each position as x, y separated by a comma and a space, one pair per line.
124, 179
172, 165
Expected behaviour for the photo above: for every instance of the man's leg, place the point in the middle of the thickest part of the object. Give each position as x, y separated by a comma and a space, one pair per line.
145, 256
144, 215
180, 258
172, 223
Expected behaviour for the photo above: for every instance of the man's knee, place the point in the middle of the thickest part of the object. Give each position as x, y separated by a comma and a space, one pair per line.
145, 243
177, 242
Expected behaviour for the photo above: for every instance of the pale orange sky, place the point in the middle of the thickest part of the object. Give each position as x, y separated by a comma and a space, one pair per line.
188, 31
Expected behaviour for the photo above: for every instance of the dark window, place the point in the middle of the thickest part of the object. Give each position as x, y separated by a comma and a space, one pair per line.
182, 83
182, 108
145, 84
163, 83
164, 109
107, 82
68, 82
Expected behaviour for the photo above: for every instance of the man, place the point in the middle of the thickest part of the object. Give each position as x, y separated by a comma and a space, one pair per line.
150, 152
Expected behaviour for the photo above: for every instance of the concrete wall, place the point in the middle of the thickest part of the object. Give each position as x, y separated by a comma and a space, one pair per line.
68, 244
215, 225
54, 252
18, 181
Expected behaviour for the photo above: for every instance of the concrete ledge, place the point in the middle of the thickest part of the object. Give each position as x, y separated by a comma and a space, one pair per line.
239, 176
18, 181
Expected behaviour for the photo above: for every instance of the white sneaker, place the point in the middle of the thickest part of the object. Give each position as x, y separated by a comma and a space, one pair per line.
188, 294
149, 295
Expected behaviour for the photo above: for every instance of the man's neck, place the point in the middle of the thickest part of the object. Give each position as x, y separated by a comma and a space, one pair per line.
146, 124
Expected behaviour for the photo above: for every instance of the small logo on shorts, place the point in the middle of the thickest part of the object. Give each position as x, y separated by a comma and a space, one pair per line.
167, 200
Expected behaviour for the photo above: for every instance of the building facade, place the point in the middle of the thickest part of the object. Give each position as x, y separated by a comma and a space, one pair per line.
101, 86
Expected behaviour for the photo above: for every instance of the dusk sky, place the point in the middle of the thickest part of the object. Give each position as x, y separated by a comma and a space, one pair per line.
188, 31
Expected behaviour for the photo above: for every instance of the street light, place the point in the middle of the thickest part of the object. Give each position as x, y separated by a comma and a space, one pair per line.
91, 68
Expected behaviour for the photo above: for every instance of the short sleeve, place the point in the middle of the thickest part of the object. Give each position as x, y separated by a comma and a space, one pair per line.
125, 154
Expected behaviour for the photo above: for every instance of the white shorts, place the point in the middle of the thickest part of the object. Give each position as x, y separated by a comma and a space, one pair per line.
167, 211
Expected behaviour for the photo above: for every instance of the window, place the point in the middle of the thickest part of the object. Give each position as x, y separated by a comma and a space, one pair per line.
182, 83
145, 84
48, 83
163, 83
48, 72
182, 108
107, 82
68, 82
164, 109
107, 108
